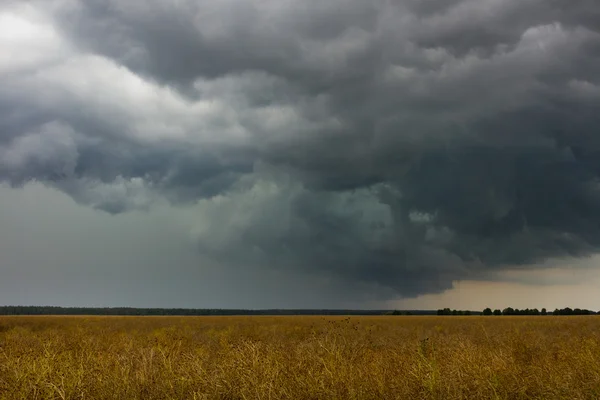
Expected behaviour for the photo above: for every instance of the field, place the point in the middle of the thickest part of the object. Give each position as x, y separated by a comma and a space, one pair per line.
408, 357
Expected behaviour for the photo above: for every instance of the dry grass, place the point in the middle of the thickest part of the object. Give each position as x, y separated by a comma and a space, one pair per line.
300, 357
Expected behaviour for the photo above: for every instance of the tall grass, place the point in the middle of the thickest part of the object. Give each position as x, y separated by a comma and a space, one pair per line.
300, 357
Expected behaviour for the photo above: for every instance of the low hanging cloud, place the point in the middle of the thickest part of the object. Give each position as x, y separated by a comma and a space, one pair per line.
402, 144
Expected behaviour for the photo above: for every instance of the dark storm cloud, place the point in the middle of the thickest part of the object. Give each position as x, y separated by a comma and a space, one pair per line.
404, 144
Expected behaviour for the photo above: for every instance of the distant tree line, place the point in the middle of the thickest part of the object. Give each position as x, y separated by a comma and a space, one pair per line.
53, 310
516, 311
447, 311
398, 312
535, 311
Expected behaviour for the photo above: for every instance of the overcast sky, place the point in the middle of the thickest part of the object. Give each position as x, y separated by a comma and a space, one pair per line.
281, 154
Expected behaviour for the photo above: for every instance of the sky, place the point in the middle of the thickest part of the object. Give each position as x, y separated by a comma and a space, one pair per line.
282, 154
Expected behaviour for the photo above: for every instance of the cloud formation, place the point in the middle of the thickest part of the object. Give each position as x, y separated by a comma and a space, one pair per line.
402, 144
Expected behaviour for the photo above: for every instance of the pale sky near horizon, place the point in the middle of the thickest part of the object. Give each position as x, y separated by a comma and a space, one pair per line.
286, 154
65, 267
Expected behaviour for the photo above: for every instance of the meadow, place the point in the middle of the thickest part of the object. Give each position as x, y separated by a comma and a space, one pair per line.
260, 357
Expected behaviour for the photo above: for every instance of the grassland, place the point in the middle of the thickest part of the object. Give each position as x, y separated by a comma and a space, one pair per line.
300, 357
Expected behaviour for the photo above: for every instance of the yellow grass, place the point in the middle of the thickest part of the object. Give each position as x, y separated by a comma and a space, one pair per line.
472, 357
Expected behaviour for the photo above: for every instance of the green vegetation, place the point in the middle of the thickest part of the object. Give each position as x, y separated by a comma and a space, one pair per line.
535, 311
51, 310
447, 311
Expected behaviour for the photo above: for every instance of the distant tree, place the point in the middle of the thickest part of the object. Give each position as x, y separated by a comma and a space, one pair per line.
497, 312
508, 311
467, 312
544, 312
487, 311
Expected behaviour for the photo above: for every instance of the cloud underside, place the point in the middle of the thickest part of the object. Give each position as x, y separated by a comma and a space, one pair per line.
404, 144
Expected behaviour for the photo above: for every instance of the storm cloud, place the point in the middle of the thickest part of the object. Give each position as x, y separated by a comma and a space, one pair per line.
400, 144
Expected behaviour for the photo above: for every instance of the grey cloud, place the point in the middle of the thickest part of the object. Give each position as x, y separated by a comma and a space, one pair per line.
191, 39
415, 142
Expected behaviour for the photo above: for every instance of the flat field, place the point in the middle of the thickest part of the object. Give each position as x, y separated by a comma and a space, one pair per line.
403, 357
